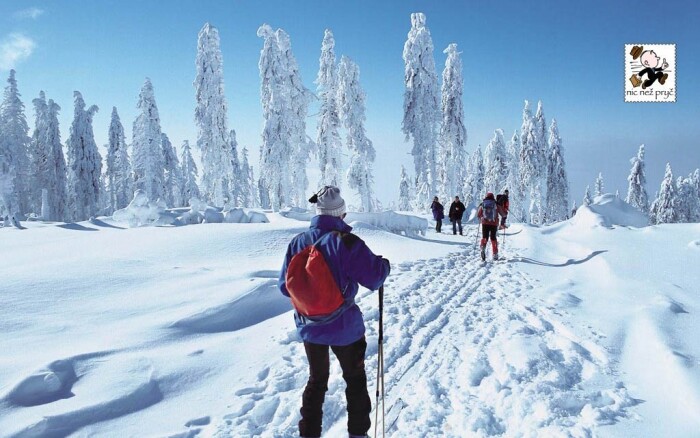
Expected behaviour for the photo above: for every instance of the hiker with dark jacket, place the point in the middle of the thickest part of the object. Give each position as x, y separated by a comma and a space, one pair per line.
438, 214
456, 212
488, 214
321, 274
504, 203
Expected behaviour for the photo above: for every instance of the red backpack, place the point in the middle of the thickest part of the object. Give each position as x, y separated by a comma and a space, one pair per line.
311, 285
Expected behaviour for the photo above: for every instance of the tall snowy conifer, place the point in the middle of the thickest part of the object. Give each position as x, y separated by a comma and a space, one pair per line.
516, 212
120, 181
405, 191
495, 167
557, 181
147, 158
664, 210
218, 178
636, 190
39, 154
239, 174
453, 135
587, 196
421, 107
328, 138
351, 101
171, 173
15, 142
599, 185
474, 183
57, 196
189, 188
529, 162
249, 185
84, 163
687, 201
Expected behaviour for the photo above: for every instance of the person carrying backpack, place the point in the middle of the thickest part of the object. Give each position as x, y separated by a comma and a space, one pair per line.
488, 214
456, 212
321, 274
438, 214
504, 204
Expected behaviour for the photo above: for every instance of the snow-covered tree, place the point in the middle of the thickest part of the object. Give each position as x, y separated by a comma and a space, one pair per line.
664, 209
188, 188
587, 196
474, 182
687, 201
39, 154
147, 158
695, 181
120, 181
276, 148
328, 138
532, 160
84, 163
57, 197
453, 135
238, 173
421, 106
171, 173
599, 185
636, 191
15, 143
516, 212
351, 102
404, 191
557, 181
495, 167
218, 178
249, 184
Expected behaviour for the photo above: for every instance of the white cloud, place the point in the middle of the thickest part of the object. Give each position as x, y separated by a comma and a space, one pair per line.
15, 48
32, 13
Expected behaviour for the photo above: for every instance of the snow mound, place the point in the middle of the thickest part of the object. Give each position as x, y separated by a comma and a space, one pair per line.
391, 221
608, 210
142, 212
297, 213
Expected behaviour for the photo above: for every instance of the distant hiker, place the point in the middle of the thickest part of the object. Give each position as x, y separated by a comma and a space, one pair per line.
456, 211
504, 203
488, 214
321, 273
438, 214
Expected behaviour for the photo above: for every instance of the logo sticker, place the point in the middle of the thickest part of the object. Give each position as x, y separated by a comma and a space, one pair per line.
650, 72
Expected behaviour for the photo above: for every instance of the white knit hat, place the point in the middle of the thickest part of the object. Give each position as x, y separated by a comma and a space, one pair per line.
329, 202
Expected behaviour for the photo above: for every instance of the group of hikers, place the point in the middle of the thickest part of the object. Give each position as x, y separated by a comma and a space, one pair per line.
491, 208
321, 274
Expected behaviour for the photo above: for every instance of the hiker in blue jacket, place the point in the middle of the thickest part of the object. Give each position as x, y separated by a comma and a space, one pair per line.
345, 264
438, 213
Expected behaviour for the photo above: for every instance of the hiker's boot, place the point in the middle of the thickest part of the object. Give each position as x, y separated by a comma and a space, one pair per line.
494, 249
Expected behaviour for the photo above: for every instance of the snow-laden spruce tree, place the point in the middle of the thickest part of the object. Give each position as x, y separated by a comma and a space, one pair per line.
557, 181
531, 162
189, 188
328, 139
351, 102
218, 178
516, 212
84, 163
276, 148
453, 135
238, 173
686, 196
405, 191
474, 182
171, 173
120, 181
249, 186
539, 127
599, 185
8, 199
15, 137
299, 99
495, 167
39, 155
636, 190
587, 196
56, 193
147, 155
421, 107
664, 210
695, 182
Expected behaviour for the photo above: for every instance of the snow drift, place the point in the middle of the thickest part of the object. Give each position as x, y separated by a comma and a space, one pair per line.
608, 211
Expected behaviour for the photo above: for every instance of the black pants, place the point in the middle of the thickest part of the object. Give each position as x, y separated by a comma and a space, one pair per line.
352, 362
455, 222
489, 232
438, 225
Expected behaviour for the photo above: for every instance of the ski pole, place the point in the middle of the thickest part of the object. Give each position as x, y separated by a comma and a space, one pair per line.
380, 366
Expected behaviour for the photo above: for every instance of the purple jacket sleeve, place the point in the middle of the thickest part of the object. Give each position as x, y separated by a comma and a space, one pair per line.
282, 282
365, 267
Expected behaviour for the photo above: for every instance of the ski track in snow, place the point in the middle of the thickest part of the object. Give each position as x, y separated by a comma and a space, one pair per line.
469, 352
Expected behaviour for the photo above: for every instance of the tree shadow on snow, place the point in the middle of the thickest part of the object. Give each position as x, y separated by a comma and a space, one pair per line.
443, 242
557, 265
76, 227
100, 223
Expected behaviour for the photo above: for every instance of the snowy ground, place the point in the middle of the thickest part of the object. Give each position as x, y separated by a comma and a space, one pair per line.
587, 328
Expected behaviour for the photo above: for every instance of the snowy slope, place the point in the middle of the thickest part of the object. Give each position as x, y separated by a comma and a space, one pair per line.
586, 329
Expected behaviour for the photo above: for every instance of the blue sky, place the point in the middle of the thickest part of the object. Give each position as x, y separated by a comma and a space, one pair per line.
568, 54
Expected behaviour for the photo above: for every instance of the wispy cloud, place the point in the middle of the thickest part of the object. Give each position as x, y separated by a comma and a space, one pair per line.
29, 13
15, 48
